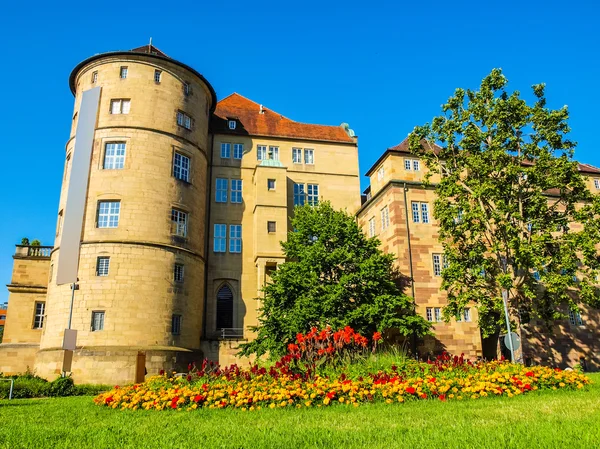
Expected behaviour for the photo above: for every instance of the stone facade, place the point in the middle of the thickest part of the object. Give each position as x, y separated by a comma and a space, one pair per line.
396, 185
170, 292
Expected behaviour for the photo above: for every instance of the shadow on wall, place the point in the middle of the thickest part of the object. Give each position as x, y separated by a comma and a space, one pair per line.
562, 346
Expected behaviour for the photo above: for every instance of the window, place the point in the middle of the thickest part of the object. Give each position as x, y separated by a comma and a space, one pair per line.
597, 183
424, 212
299, 195
380, 173
120, 106
270, 184
97, 321
123, 73
176, 324
415, 213
157, 74
271, 226
420, 212
181, 167
437, 312
102, 264
309, 156
236, 190
94, 77
467, 315
220, 239
429, 311
50, 274
238, 150
412, 164
224, 308
235, 238
184, 120
313, 194
59, 224
186, 89
437, 264
178, 272
178, 223
372, 227
385, 218
575, 318
273, 153
261, 152
221, 192
38, 319
225, 150
231, 124
114, 156
2, 317
108, 214
297, 155
67, 163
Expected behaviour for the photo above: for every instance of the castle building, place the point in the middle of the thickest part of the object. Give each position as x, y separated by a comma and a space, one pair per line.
187, 200
398, 209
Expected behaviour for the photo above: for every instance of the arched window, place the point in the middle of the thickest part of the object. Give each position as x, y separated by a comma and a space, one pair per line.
224, 308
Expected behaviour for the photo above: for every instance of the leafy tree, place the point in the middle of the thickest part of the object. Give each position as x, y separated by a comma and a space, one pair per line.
25, 241
334, 276
513, 208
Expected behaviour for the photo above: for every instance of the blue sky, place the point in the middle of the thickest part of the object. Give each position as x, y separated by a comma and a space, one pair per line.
383, 69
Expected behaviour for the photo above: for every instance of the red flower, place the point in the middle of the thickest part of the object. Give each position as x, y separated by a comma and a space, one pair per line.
189, 378
423, 396
198, 398
527, 387
442, 397
377, 336
162, 372
331, 394
292, 348
174, 402
108, 400
529, 374
410, 390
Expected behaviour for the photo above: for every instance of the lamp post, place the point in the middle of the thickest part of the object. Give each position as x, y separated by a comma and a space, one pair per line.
509, 333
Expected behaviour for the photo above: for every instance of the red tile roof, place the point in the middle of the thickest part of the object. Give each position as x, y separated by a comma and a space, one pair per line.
251, 121
403, 147
150, 49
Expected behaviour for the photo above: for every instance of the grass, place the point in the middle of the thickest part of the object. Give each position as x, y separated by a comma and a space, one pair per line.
546, 419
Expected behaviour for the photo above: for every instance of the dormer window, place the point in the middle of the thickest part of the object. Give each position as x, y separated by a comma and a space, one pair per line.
231, 124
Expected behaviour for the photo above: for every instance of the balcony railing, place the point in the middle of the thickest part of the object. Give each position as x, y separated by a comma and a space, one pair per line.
230, 333
33, 251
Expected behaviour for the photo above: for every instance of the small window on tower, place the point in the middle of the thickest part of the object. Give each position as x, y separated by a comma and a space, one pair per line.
94, 77
157, 74
270, 184
232, 124
123, 73
271, 227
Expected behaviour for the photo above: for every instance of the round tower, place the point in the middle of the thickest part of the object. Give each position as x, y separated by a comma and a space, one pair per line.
142, 259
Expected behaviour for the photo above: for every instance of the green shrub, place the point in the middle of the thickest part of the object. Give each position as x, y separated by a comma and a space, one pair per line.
25, 387
28, 385
90, 389
62, 386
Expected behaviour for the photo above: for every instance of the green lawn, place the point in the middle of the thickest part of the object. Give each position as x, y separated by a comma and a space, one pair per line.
562, 419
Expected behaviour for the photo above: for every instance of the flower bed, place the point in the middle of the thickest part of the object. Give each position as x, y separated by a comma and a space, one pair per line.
446, 379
